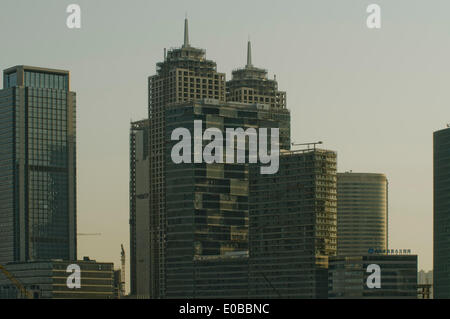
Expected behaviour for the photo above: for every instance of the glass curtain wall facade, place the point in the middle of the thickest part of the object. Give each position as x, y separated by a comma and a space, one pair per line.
207, 206
441, 215
37, 166
362, 213
139, 209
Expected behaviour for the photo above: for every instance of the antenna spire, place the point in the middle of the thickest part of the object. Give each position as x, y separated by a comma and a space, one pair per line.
186, 32
249, 54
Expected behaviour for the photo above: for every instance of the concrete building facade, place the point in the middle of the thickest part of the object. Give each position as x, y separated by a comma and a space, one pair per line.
139, 209
184, 75
292, 227
207, 205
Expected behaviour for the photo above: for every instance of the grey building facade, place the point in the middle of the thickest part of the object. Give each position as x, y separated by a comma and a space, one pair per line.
207, 205
37, 165
184, 75
48, 280
441, 214
362, 203
425, 284
216, 230
292, 227
139, 209
348, 277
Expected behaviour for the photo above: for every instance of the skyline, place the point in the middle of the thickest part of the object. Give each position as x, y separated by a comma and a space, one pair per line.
104, 150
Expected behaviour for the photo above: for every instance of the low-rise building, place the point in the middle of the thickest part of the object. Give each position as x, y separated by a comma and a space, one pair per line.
48, 280
348, 277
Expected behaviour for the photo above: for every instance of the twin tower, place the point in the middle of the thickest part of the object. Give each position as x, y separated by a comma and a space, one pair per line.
183, 215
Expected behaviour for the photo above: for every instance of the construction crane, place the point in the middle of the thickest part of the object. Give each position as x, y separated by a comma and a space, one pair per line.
308, 144
23, 291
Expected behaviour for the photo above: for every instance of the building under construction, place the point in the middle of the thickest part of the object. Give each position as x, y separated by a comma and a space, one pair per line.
194, 240
207, 205
184, 75
47, 279
139, 208
293, 226
251, 85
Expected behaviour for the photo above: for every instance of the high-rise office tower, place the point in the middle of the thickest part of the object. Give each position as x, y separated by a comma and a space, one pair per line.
292, 227
362, 201
139, 209
207, 205
37, 165
184, 75
198, 213
441, 214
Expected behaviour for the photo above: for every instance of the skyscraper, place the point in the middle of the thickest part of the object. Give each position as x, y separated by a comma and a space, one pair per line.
362, 223
198, 213
292, 226
207, 205
184, 75
37, 165
214, 232
139, 209
441, 214
251, 85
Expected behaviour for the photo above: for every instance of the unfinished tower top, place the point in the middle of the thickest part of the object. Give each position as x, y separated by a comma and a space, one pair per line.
251, 84
186, 57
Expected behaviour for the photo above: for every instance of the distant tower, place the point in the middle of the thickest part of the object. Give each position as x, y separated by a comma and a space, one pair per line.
139, 254
441, 213
362, 203
123, 273
37, 165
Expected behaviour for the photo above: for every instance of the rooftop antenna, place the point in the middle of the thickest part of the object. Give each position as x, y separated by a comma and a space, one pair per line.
249, 54
186, 32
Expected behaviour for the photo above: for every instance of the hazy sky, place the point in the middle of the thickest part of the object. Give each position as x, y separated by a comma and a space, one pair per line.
374, 96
